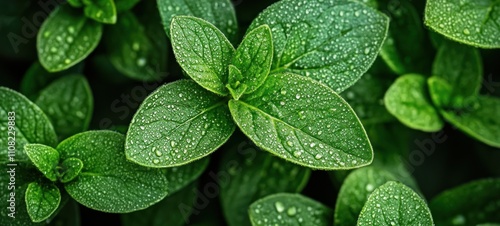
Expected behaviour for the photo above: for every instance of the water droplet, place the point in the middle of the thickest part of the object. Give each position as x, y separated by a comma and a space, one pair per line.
458, 220
282, 103
172, 143
318, 156
466, 31
291, 211
369, 187
71, 29
279, 207
69, 39
289, 143
156, 161
367, 50
312, 145
142, 127
283, 92
53, 49
297, 96
67, 61
297, 153
136, 46
46, 34
141, 62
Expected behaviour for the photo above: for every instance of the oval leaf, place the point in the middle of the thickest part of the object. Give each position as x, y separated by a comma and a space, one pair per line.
395, 204
178, 123
202, 51
334, 42
30, 125
468, 21
136, 54
355, 191
469, 204
103, 11
70, 168
408, 101
217, 12
253, 58
303, 121
108, 182
42, 200
68, 102
289, 209
66, 38
45, 158
253, 174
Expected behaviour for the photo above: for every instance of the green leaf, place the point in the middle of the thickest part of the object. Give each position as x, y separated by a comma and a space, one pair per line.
45, 158
124, 5
355, 191
174, 210
251, 174
408, 101
404, 53
68, 103
68, 216
480, 121
395, 204
136, 55
469, 204
28, 125
334, 42
178, 123
102, 11
303, 121
66, 38
461, 67
289, 209
469, 21
70, 168
202, 51
253, 58
108, 182
235, 87
440, 91
181, 176
75, 3
42, 200
217, 12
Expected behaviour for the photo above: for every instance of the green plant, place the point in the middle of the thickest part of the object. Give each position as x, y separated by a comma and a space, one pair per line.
290, 112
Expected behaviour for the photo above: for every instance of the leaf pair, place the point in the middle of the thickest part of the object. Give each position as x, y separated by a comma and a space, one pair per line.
289, 115
453, 95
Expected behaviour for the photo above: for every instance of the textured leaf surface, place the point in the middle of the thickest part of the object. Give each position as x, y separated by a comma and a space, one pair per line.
202, 51
408, 101
289, 209
218, 12
253, 58
66, 38
103, 11
303, 121
180, 176
68, 103
70, 169
108, 182
136, 54
395, 204
355, 191
471, 22
469, 204
31, 124
177, 124
254, 174
334, 42
42, 200
480, 121
45, 158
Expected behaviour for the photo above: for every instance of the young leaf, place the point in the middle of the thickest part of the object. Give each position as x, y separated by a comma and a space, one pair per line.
480, 122
70, 168
408, 101
66, 38
469, 204
395, 204
217, 12
174, 210
440, 91
178, 123
68, 103
461, 67
235, 87
103, 11
29, 125
253, 58
303, 121
334, 42
253, 174
42, 200
124, 5
107, 181
180, 176
469, 21
355, 191
289, 209
202, 51
45, 158
136, 54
